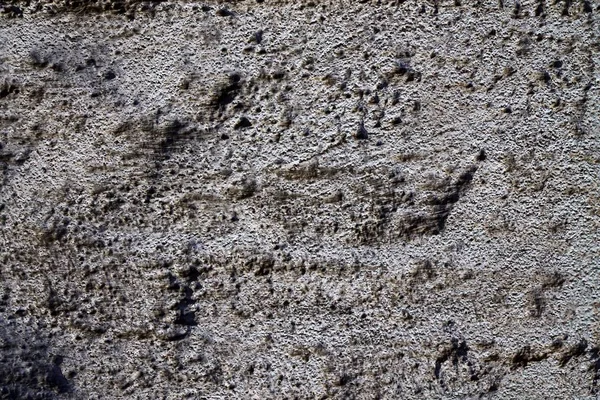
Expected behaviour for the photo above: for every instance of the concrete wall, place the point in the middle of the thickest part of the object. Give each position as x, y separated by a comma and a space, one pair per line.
299, 199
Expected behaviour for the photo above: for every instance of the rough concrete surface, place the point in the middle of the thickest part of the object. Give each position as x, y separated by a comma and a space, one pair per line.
299, 199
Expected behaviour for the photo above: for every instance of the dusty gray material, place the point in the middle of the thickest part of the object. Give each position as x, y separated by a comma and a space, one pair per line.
281, 199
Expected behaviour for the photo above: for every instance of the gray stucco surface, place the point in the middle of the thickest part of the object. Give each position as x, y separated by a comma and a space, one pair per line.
277, 199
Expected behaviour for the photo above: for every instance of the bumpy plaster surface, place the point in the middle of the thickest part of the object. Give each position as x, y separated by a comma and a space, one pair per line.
277, 199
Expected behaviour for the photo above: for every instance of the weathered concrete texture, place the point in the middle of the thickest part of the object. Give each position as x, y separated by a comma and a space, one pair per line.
285, 199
